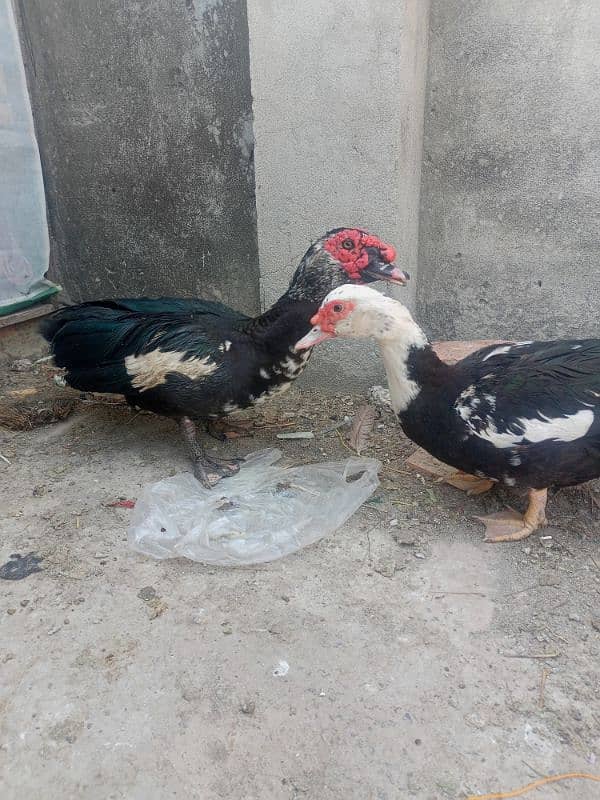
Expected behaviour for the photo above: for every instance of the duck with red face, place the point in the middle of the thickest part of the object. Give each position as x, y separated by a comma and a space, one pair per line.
199, 360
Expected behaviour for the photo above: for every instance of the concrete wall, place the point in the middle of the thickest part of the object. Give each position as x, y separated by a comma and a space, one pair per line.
338, 94
510, 219
143, 114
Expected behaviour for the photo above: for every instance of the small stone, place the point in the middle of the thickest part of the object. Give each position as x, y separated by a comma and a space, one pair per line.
385, 567
24, 603
527, 551
39, 491
419, 555
248, 707
574, 618
21, 365
596, 624
11, 611
147, 593
285, 598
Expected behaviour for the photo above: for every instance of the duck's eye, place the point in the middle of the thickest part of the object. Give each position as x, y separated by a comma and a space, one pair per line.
348, 244
338, 308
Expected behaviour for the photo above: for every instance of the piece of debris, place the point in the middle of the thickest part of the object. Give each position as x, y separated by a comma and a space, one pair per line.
281, 669
405, 538
39, 491
20, 567
386, 567
122, 503
59, 380
29, 391
248, 707
362, 426
21, 365
296, 435
381, 396
155, 605
596, 624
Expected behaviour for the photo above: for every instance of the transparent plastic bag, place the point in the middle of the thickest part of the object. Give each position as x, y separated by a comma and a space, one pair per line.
263, 513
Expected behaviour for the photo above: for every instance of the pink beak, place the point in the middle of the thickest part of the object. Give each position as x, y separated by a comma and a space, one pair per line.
312, 338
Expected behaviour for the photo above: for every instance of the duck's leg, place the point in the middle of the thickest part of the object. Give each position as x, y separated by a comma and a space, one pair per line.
208, 471
508, 526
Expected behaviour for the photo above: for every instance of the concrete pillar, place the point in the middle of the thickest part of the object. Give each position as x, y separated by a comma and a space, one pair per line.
143, 117
338, 94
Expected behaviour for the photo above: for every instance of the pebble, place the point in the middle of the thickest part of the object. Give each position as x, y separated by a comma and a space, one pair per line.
596, 624
11, 611
574, 618
419, 555
281, 669
146, 593
21, 365
248, 707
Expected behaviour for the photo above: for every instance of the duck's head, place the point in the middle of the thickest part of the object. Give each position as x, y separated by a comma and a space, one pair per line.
341, 256
357, 311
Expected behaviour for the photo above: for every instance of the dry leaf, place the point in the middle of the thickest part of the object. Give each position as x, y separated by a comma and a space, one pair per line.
362, 425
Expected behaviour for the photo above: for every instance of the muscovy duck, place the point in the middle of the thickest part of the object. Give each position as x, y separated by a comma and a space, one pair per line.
525, 414
199, 360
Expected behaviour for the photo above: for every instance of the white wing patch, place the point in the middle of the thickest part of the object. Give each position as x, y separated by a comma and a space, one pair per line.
498, 351
151, 369
559, 429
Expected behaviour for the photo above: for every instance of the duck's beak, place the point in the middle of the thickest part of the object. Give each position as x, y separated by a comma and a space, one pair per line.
381, 266
312, 338
380, 271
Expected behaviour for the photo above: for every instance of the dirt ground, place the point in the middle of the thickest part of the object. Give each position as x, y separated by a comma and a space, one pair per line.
423, 663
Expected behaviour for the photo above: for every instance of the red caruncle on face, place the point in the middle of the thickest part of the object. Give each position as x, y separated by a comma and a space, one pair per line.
349, 247
331, 313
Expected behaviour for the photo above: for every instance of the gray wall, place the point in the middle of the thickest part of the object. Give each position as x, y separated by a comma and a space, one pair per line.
144, 119
510, 217
338, 93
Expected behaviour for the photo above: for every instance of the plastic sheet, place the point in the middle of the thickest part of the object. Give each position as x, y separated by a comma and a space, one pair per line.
263, 513
24, 244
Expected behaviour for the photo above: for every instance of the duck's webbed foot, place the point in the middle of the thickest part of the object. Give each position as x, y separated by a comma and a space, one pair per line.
509, 526
207, 470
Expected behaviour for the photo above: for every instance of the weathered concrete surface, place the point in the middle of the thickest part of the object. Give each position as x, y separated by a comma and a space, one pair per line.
509, 232
402, 682
338, 96
143, 114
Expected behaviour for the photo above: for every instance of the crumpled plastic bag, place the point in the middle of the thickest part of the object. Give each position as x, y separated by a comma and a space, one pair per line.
263, 513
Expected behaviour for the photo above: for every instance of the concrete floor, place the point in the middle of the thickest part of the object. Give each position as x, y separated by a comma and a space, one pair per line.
402, 632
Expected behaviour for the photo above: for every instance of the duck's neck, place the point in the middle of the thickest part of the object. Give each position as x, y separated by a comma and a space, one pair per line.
316, 275
408, 358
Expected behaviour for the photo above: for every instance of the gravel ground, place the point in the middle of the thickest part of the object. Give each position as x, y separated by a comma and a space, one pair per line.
422, 662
